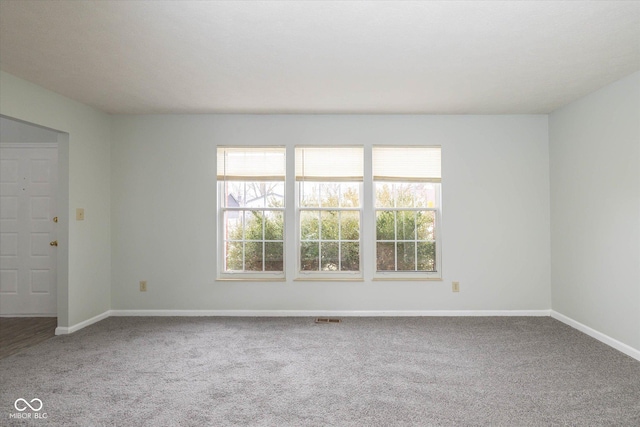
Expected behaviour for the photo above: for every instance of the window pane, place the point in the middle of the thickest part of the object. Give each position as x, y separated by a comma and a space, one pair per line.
253, 256
234, 192
385, 257
406, 256
255, 193
350, 195
309, 194
406, 225
425, 222
253, 225
329, 225
385, 225
350, 256
275, 195
329, 256
309, 256
273, 225
384, 195
329, 194
233, 255
404, 195
274, 256
426, 256
350, 225
233, 225
309, 225
425, 195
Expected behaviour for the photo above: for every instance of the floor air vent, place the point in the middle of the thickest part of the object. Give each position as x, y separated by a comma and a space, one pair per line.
327, 320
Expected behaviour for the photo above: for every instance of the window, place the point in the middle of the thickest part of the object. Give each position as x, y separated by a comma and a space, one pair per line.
329, 187
349, 213
251, 189
407, 211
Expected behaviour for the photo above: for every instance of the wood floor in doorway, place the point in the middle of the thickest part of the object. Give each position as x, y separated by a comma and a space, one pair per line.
18, 333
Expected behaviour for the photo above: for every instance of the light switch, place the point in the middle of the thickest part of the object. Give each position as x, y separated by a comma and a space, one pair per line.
79, 214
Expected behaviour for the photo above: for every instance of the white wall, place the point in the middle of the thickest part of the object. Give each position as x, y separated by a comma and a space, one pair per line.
85, 166
595, 210
495, 212
15, 131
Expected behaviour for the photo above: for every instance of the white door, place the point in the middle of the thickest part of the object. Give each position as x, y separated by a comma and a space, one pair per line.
28, 185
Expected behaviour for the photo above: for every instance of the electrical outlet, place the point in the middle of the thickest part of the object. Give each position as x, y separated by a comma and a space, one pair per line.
80, 214
455, 286
143, 286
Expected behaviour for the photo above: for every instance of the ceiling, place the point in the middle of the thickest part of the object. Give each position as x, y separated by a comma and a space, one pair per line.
434, 57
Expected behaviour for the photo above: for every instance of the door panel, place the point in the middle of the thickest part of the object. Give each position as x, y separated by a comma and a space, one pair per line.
28, 183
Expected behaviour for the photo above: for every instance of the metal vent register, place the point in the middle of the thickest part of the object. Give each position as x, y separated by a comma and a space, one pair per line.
327, 320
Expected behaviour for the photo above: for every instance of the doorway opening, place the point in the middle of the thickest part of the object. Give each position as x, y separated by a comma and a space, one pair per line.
31, 212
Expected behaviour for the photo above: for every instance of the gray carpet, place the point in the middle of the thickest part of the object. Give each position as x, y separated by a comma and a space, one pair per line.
292, 372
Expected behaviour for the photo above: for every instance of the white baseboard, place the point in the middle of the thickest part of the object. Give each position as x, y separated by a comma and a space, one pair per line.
342, 313
611, 342
62, 330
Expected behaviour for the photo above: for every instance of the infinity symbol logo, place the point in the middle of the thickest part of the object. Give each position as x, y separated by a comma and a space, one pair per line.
28, 405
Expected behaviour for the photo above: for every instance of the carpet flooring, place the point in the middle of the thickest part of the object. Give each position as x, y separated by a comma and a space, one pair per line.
190, 371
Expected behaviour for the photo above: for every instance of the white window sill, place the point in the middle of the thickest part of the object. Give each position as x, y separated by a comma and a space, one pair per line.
407, 279
251, 279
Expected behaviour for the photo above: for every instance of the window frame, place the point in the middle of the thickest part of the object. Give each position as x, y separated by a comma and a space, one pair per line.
291, 239
222, 209
410, 275
328, 275
248, 275
437, 181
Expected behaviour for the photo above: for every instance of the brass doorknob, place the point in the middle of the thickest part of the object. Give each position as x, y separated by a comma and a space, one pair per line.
54, 243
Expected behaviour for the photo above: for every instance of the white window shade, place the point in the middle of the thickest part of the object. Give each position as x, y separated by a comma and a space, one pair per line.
329, 163
406, 164
251, 163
